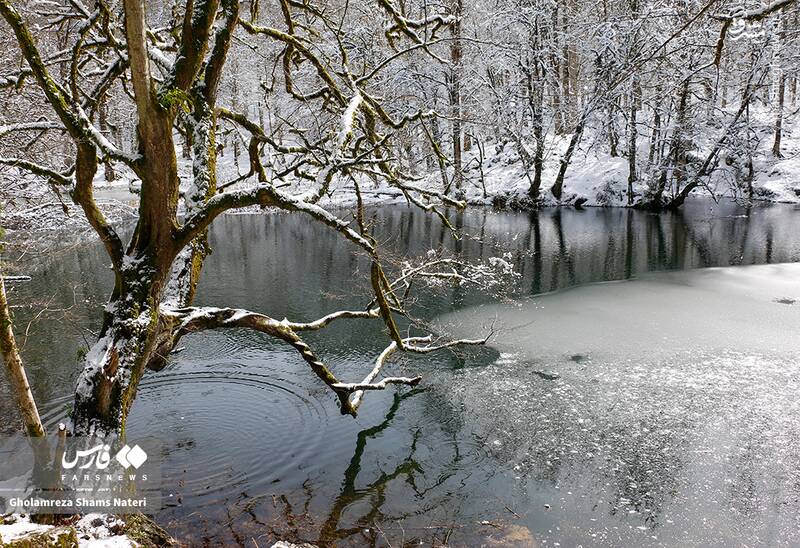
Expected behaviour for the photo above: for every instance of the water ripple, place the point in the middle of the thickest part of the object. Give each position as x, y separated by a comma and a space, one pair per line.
227, 432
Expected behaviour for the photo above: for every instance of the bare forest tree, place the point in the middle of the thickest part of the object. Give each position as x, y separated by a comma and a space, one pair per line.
563, 79
166, 63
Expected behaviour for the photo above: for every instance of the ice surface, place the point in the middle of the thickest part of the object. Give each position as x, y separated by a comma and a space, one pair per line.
752, 308
674, 420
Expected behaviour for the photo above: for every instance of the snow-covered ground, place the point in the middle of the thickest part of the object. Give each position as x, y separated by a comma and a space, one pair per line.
594, 178
599, 179
91, 531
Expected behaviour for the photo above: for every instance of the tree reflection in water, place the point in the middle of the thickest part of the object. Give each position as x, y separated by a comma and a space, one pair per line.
296, 522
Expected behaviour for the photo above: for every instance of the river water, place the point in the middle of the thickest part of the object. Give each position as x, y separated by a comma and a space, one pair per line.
659, 410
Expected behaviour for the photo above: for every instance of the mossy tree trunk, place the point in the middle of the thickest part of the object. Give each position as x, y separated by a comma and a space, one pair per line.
158, 266
157, 271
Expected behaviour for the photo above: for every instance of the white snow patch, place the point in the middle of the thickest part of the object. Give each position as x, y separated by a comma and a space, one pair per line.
93, 531
21, 527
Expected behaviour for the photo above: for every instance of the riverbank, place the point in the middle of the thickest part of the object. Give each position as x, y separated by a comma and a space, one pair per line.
118, 203
92, 531
89, 531
494, 174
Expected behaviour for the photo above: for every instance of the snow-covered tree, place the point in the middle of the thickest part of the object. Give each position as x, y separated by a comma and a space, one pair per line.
325, 123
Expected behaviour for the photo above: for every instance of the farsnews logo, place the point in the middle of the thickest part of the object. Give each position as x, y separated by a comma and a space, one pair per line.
91, 474
100, 457
134, 456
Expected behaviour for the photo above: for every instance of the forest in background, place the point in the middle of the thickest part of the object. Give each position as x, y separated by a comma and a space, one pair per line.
522, 103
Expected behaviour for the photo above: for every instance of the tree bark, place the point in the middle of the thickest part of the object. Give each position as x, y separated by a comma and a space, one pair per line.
776, 143
16, 370
613, 137
781, 85
102, 115
570, 65
536, 103
455, 95
632, 138
557, 97
655, 139
558, 186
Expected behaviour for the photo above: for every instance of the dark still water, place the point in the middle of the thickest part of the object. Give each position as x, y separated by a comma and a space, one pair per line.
487, 451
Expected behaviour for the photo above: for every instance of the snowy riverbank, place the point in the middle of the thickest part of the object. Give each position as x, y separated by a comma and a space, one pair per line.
89, 531
494, 174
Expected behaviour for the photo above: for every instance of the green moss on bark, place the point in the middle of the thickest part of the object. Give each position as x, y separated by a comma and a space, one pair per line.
60, 537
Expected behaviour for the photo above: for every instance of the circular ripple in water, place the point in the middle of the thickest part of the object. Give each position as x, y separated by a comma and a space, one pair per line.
55, 411
227, 433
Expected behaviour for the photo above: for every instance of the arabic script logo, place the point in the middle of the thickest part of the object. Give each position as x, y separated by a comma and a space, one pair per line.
100, 456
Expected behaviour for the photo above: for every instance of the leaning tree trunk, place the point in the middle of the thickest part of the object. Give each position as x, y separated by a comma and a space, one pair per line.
711, 158
558, 185
16, 371
114, 365
155, 270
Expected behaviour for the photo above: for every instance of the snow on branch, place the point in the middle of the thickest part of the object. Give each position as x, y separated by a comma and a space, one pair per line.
408, 27
353, 143
194, 319
380, 385
409, 344
15, 81
265, 195
97, 137
40, 170
30, 126
758, 13
434, 270
327, 320
343, 136
347, 121
69, 112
